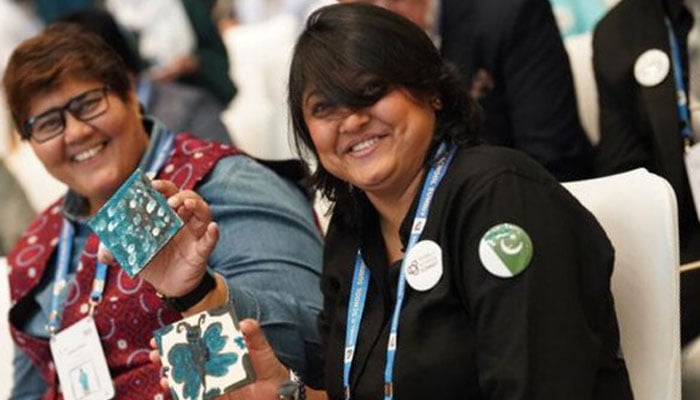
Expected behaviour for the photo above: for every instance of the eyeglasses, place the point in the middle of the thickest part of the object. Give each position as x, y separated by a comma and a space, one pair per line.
83, 107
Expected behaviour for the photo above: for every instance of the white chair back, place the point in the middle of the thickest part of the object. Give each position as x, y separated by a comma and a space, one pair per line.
637, 209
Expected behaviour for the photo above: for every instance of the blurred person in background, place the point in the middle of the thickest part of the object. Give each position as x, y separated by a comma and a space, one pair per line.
182, 108
511, 56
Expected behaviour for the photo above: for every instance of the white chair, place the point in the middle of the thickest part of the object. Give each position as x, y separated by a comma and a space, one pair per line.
637, 209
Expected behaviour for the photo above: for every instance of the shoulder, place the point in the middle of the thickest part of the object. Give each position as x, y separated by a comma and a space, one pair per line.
624, 10
487, 186
496, 180
630, 29
242, 178
479, 165
43, 229
627, 20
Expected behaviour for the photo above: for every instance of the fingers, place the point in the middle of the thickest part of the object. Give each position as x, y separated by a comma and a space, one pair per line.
104, 255
166, 188
208, 241
265, 363
187, 204
154, 356
193, 211
254, 335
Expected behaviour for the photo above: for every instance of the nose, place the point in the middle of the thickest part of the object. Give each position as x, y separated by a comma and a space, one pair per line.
75, 130
354, 121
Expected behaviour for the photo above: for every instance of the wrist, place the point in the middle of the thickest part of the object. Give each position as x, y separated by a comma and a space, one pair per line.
204, 290
292, 389
217, 297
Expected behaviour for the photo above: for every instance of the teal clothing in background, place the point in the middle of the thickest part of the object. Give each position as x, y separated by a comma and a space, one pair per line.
577, 16
50, 10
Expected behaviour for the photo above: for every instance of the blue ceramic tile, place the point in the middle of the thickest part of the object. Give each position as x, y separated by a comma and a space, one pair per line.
204, 355
135, 223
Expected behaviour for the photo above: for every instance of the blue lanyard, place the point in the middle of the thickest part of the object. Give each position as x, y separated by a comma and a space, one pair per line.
681, 97
65, 247
360, 281
162, 153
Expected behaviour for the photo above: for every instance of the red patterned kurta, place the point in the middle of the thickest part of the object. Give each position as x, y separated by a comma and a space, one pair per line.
130, 310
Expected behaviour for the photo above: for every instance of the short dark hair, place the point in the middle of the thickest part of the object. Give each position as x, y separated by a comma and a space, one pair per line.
344, 45
60, 53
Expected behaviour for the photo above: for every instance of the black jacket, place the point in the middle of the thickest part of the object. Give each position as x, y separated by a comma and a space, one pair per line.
640, 126
532, 103
547, 333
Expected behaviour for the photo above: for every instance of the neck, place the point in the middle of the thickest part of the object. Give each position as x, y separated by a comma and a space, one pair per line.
392, 208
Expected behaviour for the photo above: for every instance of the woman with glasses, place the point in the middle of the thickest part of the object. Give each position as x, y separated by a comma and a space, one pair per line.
256, 244
453, 270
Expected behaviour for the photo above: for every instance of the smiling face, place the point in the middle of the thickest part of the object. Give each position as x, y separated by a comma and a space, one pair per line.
380, 148
93, 158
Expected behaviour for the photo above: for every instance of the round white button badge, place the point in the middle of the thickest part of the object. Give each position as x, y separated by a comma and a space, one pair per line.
652, 67
424, 265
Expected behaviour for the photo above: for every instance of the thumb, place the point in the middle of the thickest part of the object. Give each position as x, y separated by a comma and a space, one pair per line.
262, 356
104, 255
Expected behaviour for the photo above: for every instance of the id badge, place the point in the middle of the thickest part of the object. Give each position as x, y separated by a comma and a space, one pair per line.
692, 166
80, 362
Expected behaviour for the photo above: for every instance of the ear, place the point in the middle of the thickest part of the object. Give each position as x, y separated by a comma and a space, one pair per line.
134, 102
436, 103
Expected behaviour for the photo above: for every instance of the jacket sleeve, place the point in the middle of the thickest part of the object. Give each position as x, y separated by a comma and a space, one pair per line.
269, 251
549, 332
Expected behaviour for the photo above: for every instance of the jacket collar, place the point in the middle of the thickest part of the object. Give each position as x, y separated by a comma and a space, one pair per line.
678, 13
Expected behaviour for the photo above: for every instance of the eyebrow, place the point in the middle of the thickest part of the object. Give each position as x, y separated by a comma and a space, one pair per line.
57, 108
309, 96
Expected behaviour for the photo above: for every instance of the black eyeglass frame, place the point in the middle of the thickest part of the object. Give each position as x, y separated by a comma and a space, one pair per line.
70, 107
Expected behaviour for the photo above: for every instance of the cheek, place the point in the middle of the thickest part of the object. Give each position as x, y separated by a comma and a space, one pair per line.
321, 136
46, 152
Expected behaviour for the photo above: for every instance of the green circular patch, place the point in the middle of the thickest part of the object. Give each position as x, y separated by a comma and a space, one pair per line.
505, 250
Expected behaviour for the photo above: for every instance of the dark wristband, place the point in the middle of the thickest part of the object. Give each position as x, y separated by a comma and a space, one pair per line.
293, 389
184, 303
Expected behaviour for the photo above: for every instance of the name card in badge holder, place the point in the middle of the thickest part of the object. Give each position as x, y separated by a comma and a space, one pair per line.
80, 362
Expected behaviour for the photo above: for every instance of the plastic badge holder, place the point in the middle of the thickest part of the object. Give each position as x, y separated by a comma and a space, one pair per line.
135, 223
204, 355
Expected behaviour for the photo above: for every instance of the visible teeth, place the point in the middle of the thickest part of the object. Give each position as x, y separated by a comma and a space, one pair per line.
363, 145
88, 153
